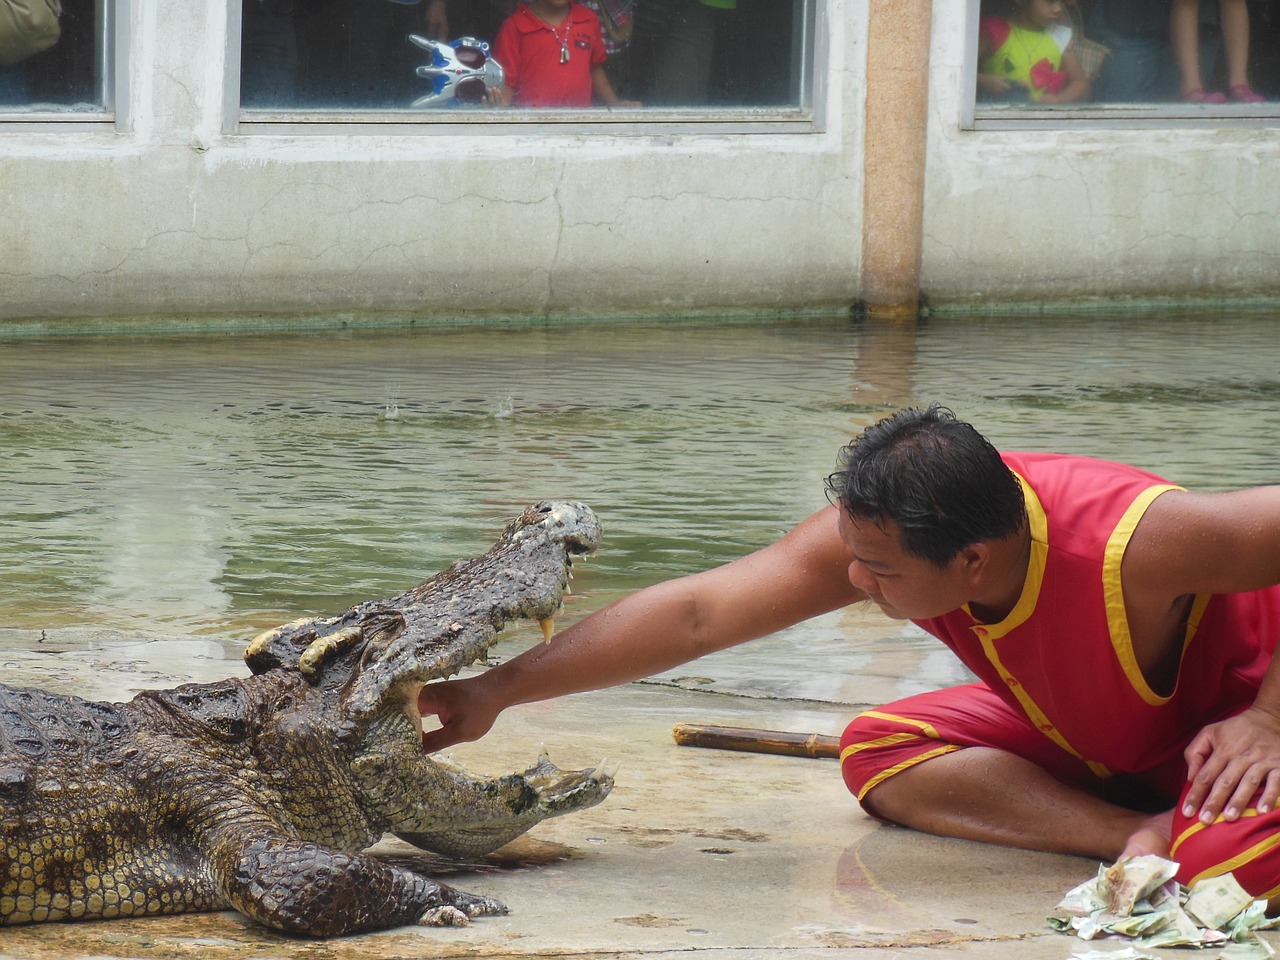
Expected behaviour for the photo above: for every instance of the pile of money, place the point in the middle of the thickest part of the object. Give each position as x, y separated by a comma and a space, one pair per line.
1139, 900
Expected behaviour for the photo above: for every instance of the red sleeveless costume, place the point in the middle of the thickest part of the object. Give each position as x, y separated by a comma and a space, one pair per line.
1060, 683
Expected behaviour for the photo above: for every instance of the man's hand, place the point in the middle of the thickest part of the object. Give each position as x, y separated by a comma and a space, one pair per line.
462, 709
1229, 761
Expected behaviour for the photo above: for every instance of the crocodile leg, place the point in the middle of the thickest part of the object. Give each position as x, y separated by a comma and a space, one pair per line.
302, 888
437, 805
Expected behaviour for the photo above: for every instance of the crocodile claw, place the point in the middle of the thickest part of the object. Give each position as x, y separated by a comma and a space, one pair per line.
460, 913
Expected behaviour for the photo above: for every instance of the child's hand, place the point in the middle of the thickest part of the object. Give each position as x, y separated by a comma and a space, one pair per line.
992, 84
498, 97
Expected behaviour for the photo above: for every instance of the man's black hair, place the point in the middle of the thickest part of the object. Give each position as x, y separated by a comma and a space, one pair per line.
934, 476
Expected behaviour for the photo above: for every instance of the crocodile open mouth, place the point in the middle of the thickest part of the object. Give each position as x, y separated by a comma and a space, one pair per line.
572, 530
388, 650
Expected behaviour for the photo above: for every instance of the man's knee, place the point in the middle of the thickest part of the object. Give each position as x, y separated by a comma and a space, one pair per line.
859, 759
875, 747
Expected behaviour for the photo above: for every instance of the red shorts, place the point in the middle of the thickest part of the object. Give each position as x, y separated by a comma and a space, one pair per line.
883, 742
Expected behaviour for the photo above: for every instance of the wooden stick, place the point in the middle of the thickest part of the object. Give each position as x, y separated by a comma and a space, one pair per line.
816, 745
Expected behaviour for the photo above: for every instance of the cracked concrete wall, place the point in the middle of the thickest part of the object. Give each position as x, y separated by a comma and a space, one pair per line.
172, 216
169, 215
1180, 212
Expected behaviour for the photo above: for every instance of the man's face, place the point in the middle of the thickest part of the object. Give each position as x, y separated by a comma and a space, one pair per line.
903, 586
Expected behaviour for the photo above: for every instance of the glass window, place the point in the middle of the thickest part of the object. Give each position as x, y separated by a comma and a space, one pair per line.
311, 58
69, 75
1139, 59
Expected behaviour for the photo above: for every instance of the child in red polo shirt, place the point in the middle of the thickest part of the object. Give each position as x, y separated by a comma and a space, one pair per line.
553, 55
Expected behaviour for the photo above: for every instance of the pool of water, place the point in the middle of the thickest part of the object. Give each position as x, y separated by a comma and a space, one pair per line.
165, 498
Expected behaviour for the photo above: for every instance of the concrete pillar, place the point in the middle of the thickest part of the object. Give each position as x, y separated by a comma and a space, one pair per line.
894, 151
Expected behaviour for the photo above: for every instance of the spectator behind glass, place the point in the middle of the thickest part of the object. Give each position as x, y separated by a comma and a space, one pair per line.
1027, 56
1184, 34
682, 71
553, 55
617, 25
1139, 69
356, 53
437, 20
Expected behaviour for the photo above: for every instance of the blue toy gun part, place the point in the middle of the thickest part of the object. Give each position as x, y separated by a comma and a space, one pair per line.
461, 71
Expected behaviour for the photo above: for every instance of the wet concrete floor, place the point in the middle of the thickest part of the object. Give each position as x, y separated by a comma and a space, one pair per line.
717, 853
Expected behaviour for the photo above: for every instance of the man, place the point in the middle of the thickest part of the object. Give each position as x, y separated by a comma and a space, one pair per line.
1122, 629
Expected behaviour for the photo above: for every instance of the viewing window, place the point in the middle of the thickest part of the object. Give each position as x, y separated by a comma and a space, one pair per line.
744, 60
65, 71
1124, 59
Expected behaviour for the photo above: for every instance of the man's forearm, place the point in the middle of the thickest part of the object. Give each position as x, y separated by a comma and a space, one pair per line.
636, 637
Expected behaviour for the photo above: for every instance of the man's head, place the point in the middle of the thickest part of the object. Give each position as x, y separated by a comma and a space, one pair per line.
939, 480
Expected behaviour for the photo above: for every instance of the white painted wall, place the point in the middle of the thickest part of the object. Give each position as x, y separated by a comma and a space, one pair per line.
1178, 211
170, 215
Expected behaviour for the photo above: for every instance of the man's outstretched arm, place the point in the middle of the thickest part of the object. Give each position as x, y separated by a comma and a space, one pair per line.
802, 575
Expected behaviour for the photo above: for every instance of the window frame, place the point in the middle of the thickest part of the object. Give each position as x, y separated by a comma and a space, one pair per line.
112, 40
977, 117
812, 50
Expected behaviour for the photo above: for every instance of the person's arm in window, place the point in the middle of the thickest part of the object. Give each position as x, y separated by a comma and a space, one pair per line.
1077, 86
991, 34
437, 20
603, 90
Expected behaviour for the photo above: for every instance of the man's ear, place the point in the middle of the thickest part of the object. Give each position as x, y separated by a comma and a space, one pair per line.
975, 560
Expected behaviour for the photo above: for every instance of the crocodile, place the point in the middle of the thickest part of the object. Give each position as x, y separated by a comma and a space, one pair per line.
264, 793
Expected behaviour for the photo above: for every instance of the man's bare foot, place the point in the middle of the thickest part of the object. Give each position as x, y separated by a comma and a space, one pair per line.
1153, 837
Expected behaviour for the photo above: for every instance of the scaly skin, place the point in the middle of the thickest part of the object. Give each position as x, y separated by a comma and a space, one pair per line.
260, 793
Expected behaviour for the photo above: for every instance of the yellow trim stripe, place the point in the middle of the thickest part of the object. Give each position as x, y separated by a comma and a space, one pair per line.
1113, 592
891, 739
1258, 849
988, 634
1038, 524
1253, 853
1196, 827
926, 728
1037, 716
906, 764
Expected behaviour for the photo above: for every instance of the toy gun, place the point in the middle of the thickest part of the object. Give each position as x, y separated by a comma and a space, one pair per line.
461, 70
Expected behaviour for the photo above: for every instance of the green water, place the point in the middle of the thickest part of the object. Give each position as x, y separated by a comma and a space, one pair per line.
217, 484
210, 486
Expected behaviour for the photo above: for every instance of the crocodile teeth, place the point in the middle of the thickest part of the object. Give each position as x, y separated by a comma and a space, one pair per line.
548, 628
606, 769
